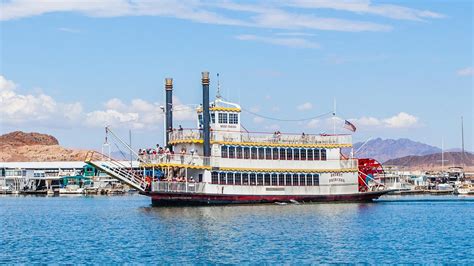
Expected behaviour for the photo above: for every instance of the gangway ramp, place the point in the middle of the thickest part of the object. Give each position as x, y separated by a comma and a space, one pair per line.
120, 171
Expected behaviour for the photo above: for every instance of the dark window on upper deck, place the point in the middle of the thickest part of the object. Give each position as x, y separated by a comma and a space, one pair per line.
268, 153
275, 154
289, 154
303, 154
246, 153
261, 153
214, 178
323, 155
224, 151
315, 179
310, 155
253, 153
222, 118
231, 152
309, 179
233, 118
245, 179
238, 153
296, 154
288, 180
317, 155
222, 178
296, 180
267, 179
274, 180
282, 154
259, 179
238, 178
253, 179
230, 178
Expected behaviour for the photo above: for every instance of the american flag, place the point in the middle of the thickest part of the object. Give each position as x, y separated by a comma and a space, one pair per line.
349, 126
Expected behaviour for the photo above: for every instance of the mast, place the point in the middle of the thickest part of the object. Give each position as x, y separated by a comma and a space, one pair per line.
334, 117
462, 141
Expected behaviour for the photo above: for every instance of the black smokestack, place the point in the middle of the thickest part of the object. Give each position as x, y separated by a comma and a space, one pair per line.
169, 109
206, 115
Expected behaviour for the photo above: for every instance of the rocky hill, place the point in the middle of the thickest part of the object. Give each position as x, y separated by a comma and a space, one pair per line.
35, 147
386, 149
433, 161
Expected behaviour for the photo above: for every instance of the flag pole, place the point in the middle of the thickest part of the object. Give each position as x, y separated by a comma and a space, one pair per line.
334, 117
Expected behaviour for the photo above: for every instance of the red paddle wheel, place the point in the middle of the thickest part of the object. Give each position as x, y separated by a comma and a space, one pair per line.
369, 169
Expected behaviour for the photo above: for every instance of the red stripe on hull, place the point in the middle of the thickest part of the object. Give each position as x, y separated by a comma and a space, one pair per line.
169, 199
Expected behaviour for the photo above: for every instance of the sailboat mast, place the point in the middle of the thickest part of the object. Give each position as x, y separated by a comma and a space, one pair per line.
462, 140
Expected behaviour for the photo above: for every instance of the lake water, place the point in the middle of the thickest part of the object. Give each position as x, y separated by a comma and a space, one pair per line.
122, 229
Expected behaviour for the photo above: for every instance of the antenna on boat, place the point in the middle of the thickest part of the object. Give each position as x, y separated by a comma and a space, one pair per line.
218, 95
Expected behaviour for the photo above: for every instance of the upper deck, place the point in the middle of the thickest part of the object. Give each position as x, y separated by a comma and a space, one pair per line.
262, 139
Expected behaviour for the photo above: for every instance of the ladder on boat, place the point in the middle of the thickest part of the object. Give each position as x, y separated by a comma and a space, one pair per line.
117, 170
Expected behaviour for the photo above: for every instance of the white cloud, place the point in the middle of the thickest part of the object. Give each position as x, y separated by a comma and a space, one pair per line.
18, 108
313, 123
305, 106
401, 120
289, 42
290, 14
367, 7
70, 30
368, 121
258, 120
39, 109
468, 71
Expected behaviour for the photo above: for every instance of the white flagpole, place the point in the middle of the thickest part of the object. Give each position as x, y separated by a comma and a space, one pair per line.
334, 116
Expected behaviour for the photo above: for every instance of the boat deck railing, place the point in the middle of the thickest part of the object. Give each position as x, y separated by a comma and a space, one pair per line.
255, 137
188, 187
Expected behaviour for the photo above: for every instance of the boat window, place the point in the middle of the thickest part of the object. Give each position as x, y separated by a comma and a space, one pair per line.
238, 152
275, 153
200, 178
289, 154
310, 154
268, 153
316, 180
245, 179
213, 118
233, 118
281, 179
303, 154
282, 154
253, 180
253, 153
288, 180
231, 152
267, 180
200, 120
246, 153
309, 179
259, 179
222, 118
214, 178
296, 154
316, 154
261, 153
274, 180
323, 155
222, 180
302, 180
230, 178
296, 181
224, 150
238, 178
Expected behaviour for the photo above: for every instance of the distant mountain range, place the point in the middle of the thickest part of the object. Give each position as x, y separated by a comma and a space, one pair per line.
386, 149
433, 161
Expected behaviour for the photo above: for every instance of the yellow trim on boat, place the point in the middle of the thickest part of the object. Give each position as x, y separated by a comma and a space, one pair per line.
263, 144
230, 169
164, 165
222, 109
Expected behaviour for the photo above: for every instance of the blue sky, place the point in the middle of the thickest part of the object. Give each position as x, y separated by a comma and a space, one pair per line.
396, 68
